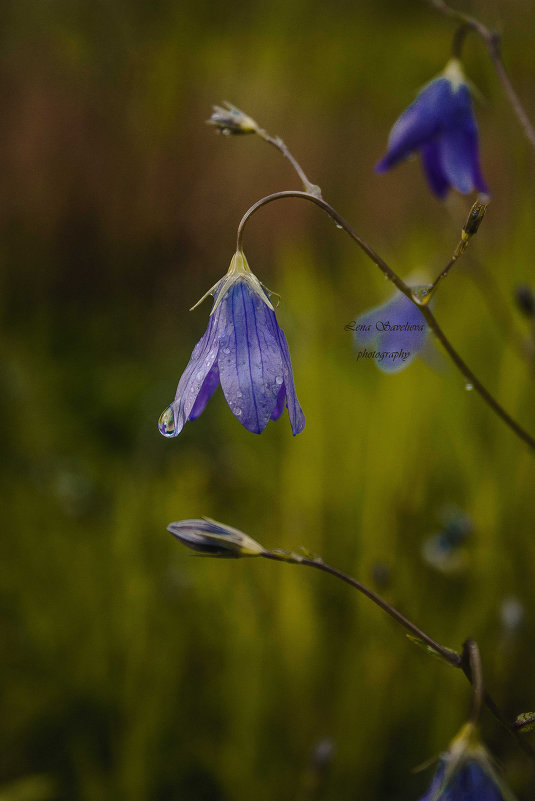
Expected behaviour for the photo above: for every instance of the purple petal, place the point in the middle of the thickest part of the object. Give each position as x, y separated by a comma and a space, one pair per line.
469, 782
193, 377
250, 362
460, 160
420, 122
281, 402
208, 388
433, 169
295, 413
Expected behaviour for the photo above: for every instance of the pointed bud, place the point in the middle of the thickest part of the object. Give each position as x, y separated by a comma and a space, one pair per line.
211, 538
231, 121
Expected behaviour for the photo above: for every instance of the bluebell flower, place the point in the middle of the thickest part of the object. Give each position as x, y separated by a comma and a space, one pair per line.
245, 351
392, 334
465, 773
441, 125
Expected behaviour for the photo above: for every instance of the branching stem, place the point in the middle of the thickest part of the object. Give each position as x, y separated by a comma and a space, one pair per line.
470, 378
469, 661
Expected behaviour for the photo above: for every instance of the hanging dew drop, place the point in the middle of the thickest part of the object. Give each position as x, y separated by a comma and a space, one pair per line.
166, 423
468, 386
422, 294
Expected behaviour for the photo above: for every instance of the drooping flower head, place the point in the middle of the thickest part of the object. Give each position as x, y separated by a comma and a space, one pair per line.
465, 773
245, 351
441, 126
391, 334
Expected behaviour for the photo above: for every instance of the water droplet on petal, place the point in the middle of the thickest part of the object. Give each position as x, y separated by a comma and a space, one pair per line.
239, 394
468, 386
237, 411
279, 380
226, 350
166, 422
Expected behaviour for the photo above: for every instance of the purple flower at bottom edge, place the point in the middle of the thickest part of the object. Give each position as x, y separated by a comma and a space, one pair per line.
441, 125
396, 330
245, 351
469, 783
465, 773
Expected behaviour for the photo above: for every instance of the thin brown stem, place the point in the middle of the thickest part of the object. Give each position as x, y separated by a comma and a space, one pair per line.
444, 273
469, 661
277, 142
471, 227
493, 44
471, 380
450, 656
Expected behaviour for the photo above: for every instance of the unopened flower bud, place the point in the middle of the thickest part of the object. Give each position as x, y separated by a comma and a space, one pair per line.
229, 120
211, 538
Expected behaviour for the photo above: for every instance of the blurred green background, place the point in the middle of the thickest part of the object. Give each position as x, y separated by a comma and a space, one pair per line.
128, 669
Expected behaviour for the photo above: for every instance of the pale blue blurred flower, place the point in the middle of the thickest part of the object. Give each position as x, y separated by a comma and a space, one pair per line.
392, 334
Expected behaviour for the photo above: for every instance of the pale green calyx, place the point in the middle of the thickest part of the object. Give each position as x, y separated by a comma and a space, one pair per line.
454, 73
239, 270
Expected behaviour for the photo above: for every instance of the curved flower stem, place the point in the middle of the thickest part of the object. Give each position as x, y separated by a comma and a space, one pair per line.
471, 380
492, 42
339, 220
448, 654
469, 661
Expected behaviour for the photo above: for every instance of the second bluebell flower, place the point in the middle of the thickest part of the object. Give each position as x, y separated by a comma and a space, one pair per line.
441, 126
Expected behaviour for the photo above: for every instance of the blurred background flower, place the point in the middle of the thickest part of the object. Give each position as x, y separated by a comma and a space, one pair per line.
441, 126
446, 550
396, 332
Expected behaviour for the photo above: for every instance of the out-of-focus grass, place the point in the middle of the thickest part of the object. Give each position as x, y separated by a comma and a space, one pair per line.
129, 669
